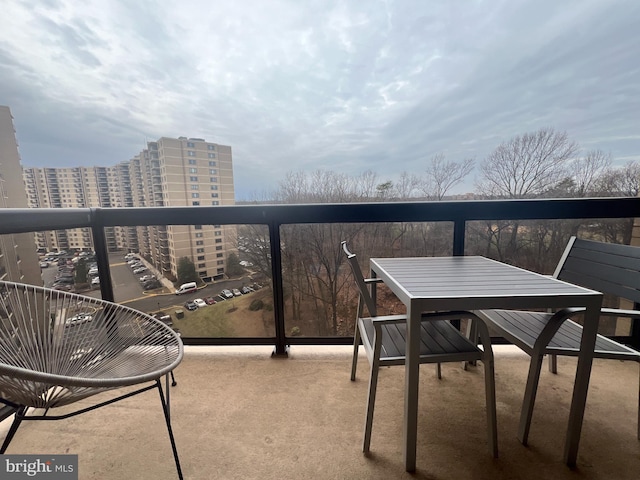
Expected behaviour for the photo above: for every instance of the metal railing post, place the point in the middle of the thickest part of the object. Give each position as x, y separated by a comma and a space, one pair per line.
278, 289
102, 254
459, 229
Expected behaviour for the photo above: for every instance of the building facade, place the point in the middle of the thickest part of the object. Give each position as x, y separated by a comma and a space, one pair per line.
169, 172
18, 256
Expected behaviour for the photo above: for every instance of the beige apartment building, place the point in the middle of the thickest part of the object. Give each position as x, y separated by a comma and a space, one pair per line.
169, 172
18, 257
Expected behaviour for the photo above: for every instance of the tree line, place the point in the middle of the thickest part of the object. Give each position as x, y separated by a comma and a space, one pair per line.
319, 292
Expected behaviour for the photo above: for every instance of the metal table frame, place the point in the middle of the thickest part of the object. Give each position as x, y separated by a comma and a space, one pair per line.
471, 283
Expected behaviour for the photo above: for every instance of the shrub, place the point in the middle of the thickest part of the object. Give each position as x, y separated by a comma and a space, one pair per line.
256, 305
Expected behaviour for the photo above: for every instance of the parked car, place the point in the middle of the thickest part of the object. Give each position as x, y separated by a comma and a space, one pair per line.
65, 287
95, 281
44, 264
146, 278
210, 300
139, 270
93, 271
200, 302
236, 292
78, 319
226, 293
246, 290
151, 284
190, 305
135, 265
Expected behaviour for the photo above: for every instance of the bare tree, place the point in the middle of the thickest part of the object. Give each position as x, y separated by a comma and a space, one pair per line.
406, 186
623, 181
587, 171
442, 175
528, 165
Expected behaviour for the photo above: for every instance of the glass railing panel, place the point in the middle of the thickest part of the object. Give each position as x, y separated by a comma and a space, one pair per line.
538, 245
206, 281
320, 295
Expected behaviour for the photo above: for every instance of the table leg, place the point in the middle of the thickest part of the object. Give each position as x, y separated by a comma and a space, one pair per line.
412, 377
581, 385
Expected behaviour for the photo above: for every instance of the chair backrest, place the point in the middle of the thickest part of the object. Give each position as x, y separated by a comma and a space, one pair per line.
609, 268
365, 295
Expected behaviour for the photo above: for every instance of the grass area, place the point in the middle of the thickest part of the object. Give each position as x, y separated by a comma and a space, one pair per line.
229, 318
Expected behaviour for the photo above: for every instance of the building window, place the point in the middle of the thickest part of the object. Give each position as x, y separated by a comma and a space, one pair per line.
219, 255
213, 171
219, 247
193, 170
200, 242
195, 195
212, 163
195, 187
197, 227
214, 187
220, 262
214, 195
211, 147
213, 179
199, 234
191, 145
192, 161
195, 204
201, 257
202, 265
218, 233
212, 155
191, 153
215, 202
199, 250
218, 240
193, 179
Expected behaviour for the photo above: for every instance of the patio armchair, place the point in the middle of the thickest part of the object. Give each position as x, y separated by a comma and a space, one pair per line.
57, 348
383, 338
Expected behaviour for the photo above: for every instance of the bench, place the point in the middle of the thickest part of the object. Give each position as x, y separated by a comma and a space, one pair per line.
606, 267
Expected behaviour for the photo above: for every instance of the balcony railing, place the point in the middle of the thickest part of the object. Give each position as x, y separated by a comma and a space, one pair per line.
459, 213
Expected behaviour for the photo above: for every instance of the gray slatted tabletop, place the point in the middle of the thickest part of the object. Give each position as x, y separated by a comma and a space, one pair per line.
427, 284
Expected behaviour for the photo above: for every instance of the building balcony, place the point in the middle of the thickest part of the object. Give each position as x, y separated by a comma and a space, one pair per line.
301, 417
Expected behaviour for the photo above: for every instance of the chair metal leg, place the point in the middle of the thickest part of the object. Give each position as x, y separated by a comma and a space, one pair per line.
529, 397
371, 401
167, 419
17, 420
356, 345
173, 380
439, 371
490, 393
553, 363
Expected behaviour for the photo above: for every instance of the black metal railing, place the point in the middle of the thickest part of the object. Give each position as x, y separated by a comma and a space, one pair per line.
275, 216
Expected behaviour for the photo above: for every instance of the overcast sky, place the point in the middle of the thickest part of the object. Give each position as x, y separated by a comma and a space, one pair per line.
296, 85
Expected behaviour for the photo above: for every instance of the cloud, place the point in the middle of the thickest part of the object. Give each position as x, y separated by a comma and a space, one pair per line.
329, 84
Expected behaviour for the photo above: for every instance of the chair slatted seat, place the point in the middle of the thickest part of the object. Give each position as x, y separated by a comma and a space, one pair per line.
609, 268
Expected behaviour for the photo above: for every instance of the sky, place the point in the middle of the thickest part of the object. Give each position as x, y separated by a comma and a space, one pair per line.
345, 86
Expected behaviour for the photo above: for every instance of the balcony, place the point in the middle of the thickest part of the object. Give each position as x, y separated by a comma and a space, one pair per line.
302, 418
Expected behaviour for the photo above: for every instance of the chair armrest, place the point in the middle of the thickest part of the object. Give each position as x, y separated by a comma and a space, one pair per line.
388, 319
372, 280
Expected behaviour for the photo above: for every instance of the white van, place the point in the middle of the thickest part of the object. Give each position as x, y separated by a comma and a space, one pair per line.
186, 288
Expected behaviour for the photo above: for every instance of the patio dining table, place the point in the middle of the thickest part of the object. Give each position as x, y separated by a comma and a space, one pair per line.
427, 284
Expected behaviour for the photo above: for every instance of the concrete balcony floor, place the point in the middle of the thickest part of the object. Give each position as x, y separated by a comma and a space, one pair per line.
239, 414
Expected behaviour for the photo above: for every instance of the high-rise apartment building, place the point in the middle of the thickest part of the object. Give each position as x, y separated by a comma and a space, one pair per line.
169, 172
18, 257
